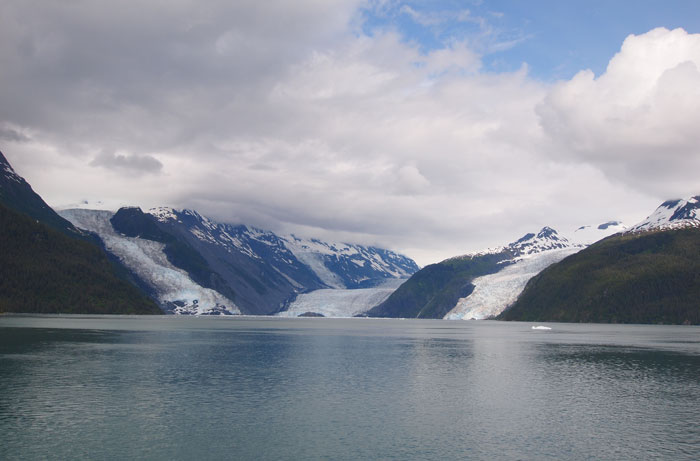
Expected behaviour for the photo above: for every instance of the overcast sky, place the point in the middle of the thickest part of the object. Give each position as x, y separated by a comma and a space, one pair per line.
433, 128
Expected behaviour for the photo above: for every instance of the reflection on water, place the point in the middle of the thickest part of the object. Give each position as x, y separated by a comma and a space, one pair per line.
245, 388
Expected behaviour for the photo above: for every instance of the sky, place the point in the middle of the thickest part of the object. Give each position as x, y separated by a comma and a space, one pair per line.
433, 128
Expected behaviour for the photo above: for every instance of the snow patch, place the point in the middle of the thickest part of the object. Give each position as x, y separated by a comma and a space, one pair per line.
163, 214
587, 235
11, 174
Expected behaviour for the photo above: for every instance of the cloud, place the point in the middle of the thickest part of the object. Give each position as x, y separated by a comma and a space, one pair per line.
129, 163
284, 115
638, 121
8, 133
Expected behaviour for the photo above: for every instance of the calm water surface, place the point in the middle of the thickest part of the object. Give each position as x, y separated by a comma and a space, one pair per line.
74, 387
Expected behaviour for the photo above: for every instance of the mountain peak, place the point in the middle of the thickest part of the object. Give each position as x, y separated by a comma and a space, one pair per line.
546, 239
7, 171
672, 214
16, 193
163, 213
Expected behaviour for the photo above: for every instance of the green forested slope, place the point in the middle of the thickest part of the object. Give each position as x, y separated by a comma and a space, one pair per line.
44, 271
652, 277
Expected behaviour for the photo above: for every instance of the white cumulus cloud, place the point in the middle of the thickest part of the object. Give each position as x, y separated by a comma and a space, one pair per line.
638, 122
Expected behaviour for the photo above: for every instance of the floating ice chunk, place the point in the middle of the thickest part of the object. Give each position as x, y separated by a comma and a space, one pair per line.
540, 327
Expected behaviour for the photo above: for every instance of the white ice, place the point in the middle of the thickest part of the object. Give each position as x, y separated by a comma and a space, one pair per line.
494, 292
341, 302
147, 260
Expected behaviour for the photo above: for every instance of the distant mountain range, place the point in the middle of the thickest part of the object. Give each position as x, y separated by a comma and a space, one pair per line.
648, 273
89, 261
194, 265
178, 261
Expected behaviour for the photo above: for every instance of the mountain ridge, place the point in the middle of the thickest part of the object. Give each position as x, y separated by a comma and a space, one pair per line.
436, 290
649, 273
257, 271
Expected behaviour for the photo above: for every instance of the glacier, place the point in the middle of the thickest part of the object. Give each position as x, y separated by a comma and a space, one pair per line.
494, 292
341, 302
175, 291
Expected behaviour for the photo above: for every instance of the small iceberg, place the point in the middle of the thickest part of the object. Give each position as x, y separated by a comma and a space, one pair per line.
540, 327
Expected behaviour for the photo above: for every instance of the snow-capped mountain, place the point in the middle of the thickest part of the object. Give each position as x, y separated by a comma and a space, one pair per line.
174, 290
196, 265
337, 265
523, 259
546, 239
531, 243
647, 274
672, 214
476, 285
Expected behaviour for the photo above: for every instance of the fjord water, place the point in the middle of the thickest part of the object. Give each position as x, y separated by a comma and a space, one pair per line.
74, 387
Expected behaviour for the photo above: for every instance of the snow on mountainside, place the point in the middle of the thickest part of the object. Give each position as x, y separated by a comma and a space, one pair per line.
8, 172
587, 235
341, 302
337, 265
175, 290
494, 292
342, 265
672, 214
529, 255
546, 239
261, 272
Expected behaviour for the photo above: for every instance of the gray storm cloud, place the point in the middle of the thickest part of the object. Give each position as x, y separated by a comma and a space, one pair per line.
130, 163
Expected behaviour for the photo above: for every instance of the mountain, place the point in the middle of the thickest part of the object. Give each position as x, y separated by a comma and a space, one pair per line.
18, 195
48, 266
196, 265
170, 286
477, 285
672, 214
648, 274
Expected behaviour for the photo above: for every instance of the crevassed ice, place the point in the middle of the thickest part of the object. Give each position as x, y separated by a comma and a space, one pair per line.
494, 292
341, 302
147, 260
